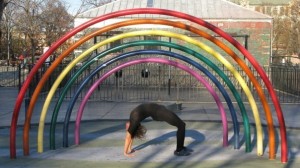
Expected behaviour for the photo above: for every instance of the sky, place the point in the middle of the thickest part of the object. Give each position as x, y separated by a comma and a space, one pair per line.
73, 5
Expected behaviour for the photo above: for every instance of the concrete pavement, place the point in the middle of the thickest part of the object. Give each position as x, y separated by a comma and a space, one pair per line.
102, 133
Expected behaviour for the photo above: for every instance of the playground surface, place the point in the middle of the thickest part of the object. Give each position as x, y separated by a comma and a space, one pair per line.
102, 139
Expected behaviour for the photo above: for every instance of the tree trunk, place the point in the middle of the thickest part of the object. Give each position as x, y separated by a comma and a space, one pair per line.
3, 4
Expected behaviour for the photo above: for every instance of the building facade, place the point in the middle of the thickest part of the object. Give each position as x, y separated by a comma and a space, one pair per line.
251, 28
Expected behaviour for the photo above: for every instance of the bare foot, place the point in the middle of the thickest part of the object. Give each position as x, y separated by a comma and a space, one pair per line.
129, 154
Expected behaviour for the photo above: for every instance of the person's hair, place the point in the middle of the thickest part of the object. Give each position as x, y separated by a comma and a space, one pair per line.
140, 132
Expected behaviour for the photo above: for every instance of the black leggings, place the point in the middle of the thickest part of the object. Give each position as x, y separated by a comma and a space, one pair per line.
171, 118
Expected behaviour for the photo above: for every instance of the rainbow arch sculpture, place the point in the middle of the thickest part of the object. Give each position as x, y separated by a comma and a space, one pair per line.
172, 63
186, 27
158, 60
187, 17
161, 33
138, 61
175, 24
44, 111
144, 43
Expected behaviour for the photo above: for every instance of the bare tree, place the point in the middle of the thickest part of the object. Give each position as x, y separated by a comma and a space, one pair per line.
286, 29
244, 3
28, 24
76, 11
3, 4
281, 35
41, 22
88, 4
294, 43
6, 30
55, 20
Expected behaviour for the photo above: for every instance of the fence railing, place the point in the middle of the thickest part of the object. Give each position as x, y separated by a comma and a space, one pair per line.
10, 76
286, 80
162, 83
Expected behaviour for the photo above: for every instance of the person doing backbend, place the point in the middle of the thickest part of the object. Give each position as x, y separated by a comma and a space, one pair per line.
157, 112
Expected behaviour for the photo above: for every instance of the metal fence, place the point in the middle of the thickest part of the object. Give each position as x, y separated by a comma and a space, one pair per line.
154, 82
286, 80
10, 76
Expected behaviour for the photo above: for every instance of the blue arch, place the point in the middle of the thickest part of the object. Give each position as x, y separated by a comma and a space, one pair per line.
198, 66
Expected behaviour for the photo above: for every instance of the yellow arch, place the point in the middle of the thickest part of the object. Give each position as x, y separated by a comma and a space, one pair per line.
259, 132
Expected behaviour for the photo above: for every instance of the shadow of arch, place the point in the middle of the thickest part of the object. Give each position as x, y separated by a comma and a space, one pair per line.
195, 135
86, 136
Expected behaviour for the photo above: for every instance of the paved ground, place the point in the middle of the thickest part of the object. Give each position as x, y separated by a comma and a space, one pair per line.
102, 139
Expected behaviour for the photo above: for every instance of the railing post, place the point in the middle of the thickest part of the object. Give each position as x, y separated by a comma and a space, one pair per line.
19, 77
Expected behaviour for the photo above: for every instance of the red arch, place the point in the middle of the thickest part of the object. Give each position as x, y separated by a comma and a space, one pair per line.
199, 21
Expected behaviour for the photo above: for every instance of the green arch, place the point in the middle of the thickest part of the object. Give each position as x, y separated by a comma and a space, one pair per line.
152, 42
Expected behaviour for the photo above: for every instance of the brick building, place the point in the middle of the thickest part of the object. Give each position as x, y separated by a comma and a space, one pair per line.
269, 7
253, 29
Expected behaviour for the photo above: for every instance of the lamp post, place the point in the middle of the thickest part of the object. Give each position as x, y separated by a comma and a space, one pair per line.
32, 42
8, 42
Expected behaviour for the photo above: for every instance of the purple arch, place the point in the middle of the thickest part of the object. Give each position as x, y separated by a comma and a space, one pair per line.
152, 60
